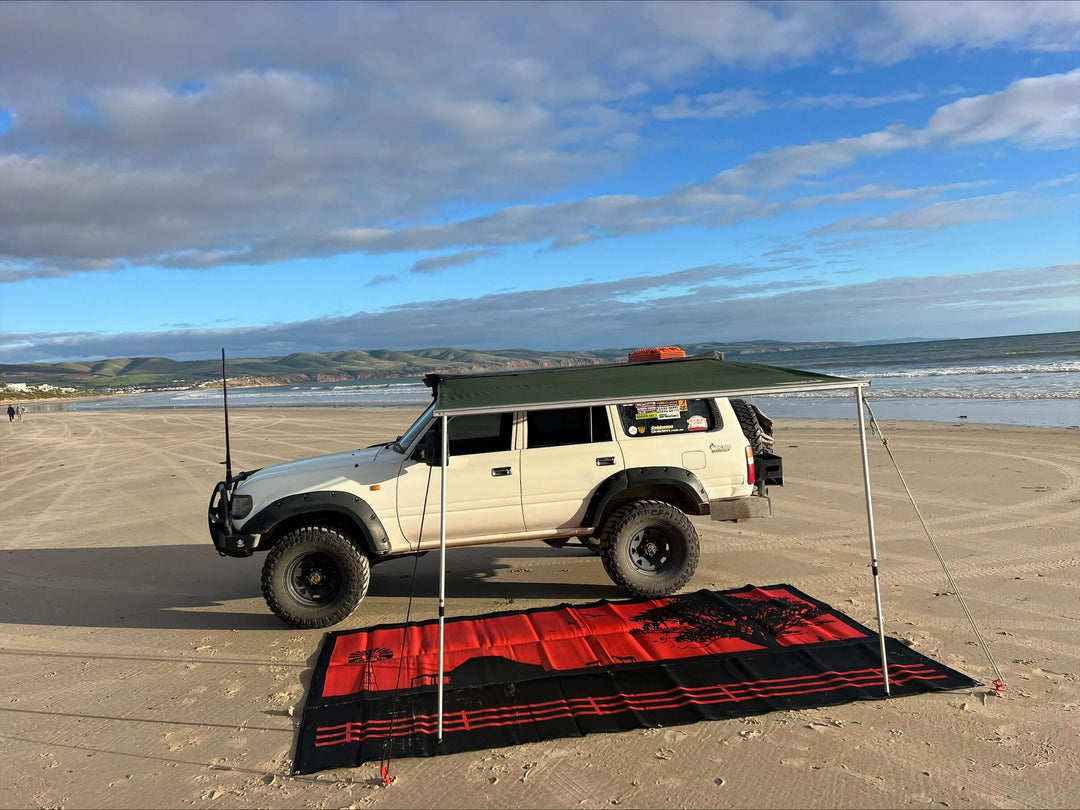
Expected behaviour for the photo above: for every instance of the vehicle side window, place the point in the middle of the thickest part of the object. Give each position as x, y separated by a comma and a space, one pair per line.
669, 416
565, 426
481, 433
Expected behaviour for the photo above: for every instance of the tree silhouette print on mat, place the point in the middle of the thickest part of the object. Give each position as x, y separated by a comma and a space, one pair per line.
693, 619
367, 657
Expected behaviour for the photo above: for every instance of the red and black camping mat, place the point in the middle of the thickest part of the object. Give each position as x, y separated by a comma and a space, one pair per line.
571, 670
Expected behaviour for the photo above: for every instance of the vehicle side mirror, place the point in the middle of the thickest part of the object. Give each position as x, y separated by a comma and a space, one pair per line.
429, 451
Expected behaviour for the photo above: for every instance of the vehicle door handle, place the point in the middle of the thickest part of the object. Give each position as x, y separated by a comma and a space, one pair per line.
605, 461
497, 471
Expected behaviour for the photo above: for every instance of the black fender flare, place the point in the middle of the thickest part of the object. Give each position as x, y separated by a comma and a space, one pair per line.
351, 507
682, 480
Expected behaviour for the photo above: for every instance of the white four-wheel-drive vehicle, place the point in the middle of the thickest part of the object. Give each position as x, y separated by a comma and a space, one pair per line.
533, 455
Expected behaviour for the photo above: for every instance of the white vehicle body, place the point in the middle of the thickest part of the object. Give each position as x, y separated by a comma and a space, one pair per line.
518, 493
551, 474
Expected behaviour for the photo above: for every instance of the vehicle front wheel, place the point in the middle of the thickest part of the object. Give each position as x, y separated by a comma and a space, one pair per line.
314, 577
649, 548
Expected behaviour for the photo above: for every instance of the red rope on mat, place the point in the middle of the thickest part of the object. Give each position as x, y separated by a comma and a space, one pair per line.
384, 767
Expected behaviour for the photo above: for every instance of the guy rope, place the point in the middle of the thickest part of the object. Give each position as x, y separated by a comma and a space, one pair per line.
999, 680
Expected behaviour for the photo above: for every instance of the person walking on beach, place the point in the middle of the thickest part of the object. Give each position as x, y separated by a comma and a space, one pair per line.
19, 411
11, 413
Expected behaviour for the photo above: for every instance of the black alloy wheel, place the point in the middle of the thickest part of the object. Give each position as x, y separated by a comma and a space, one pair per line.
651, 551
314, 579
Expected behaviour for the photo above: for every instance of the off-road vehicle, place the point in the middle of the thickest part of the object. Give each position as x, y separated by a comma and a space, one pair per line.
620, 478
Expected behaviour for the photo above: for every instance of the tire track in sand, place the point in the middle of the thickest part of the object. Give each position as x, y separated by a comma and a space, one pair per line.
65, 490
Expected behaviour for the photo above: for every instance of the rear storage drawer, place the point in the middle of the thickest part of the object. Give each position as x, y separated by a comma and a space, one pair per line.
769, 469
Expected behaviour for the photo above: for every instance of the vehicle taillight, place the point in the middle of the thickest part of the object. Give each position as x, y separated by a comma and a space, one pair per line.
749, 464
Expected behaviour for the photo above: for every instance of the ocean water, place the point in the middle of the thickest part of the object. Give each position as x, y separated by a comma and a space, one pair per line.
1019, 380
1012, 380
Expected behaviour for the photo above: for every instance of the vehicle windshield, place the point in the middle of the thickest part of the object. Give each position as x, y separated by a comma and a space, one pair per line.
409, 436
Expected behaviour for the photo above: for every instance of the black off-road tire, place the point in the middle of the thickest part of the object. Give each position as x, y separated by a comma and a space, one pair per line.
759, 439
649, 548
315, 577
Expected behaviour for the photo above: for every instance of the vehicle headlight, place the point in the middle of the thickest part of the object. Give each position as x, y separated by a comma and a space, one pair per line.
240, 506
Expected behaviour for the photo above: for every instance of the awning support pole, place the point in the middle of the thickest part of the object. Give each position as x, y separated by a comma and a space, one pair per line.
873, 539
445, 458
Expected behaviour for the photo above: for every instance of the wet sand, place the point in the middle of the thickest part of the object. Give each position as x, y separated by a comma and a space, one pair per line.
143, 670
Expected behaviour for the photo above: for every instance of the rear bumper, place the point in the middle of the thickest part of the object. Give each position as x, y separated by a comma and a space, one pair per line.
226, 541
740, 508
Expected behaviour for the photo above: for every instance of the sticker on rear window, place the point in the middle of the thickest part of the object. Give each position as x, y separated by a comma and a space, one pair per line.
667, 410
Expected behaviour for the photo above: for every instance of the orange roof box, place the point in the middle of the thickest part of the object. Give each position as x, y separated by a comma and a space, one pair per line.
656, 353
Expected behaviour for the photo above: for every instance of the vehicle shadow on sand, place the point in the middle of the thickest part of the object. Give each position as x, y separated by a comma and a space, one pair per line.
162, 587
187, 586
499, 572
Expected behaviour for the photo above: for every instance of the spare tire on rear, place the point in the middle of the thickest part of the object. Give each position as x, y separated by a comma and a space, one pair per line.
756, 427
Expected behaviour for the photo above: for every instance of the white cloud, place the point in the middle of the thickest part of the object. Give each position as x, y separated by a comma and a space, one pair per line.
947, 214
741, 103
351, 136
1036, 113
861, 33
746, 103
877, 192
1059, 181
1039, 25
436, 264
712, 303
845, 101
381, 279
784, 165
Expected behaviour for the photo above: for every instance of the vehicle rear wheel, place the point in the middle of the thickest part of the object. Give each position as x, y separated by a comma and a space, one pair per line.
760, 439
314, 577
649, 548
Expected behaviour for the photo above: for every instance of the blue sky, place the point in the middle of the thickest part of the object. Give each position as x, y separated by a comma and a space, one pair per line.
314, 177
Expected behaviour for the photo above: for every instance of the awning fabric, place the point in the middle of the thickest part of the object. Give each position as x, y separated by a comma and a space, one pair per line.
700, 376
684, 378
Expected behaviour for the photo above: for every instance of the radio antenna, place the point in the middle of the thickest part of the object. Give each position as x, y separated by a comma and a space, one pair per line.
225, 395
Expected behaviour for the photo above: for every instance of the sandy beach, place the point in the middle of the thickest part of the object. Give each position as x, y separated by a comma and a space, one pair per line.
144, 670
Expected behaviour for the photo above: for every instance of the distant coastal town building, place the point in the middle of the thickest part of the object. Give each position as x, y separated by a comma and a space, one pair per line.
26, 388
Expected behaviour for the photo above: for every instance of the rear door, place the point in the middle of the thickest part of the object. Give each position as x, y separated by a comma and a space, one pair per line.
567, 453
692, 434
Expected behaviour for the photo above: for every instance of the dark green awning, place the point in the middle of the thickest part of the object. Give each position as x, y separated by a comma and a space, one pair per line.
691, 377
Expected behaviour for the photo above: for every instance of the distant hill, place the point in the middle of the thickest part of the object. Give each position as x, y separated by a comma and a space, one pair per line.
902, 340
156, 373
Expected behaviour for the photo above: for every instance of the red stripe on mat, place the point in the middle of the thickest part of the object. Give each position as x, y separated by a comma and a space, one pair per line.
615, 704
